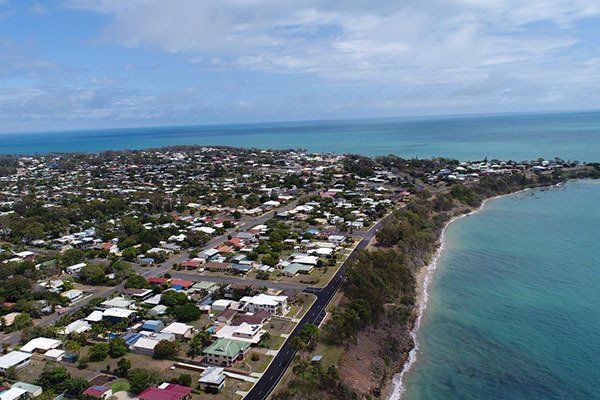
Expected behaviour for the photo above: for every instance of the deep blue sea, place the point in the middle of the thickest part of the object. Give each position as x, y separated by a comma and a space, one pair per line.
514, 308
574, 136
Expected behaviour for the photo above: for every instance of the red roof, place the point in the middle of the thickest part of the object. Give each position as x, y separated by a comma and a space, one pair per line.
191, 263
170, 392
96, 391
236, 241
158, 281
182, 283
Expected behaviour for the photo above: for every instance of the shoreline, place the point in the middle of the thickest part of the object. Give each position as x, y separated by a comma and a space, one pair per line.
424, 279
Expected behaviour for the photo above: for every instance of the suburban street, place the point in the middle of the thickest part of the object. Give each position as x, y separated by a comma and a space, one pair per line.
271, 377
14, 338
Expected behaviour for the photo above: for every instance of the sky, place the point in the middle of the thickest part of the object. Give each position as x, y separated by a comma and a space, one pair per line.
75, 64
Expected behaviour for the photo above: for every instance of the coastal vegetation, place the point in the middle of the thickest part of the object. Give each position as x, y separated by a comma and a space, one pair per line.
373, 321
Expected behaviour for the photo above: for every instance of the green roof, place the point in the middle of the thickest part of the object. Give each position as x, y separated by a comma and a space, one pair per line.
226, 347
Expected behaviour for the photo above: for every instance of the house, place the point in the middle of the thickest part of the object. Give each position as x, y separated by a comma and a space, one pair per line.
241, 268
191, 264
118, 302
55, 355
158, 281
144, 345
217, 267
179, 330
225, 352
166, 391
14, 394
116, 315
9, 319
41, 345
77, 326
212, 379
138, 294
337, 239
181, 284
14, 359
98, 392
153, 325
256, 318
226, 316
305, 259
221, 305
244, 332
158, 310
32, 390
293, 269
73, 295
266, 302
75, 269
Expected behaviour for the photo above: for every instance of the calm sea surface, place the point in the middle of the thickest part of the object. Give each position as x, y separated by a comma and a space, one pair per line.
574, 136
514, 309
515, 304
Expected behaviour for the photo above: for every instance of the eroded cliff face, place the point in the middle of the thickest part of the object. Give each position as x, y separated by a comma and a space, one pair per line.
379, 352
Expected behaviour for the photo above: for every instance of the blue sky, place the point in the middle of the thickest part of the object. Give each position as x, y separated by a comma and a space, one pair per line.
76, 64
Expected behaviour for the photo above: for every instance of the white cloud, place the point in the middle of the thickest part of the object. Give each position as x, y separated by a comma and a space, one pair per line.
409, 40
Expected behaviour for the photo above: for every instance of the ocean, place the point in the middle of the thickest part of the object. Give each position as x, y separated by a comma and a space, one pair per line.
514, 305
514, 308
574, 136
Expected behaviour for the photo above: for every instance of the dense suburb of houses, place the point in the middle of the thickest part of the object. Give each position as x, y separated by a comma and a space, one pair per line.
177, 273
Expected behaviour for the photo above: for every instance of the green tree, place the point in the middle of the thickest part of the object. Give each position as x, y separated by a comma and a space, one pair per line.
117, 348
172, 298
136, 281
93, 274
187, 312
198, 343
123, 366
76, 386
98, 352
54, 379
140, 379
165, 349
22, 321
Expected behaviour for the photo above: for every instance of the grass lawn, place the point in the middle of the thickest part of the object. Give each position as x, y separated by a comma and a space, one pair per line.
119, 385
278, 326
275, 342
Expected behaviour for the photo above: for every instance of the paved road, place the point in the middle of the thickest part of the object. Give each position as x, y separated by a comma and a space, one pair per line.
263, 388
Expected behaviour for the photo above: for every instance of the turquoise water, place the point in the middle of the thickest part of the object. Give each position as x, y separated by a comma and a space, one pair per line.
574, 136
514, 311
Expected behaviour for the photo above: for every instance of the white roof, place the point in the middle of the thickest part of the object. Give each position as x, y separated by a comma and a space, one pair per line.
12, 393
222, 303
118, 302
145, 343
177, 328
305, 259
95, 316
71, 294
118, 312
40, 343
76, 267
245, 332
77, 326
212, 375
13, 358
54, 353
264, 299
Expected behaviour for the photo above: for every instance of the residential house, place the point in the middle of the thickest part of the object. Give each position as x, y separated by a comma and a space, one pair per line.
225, 352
